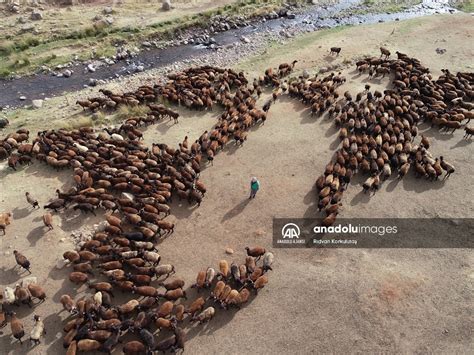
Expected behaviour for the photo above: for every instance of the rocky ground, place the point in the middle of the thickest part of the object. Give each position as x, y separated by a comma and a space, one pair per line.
325, 301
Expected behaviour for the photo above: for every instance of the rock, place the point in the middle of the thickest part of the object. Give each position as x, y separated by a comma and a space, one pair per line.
15, 8
92, 82
67, 73
37, 103
91, 68
166, 5
290, 15
109, 20
108, 10
272, 15
146, 44
29, 27
36, 15
283, 12
305, 74
229, 251
28, 281
22, 98
245, 39
21, 20
3, 122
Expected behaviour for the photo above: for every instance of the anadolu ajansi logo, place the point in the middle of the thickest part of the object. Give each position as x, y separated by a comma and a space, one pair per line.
290, 231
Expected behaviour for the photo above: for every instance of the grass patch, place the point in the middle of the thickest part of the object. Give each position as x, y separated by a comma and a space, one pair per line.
5, 73
463, 5
77, 122
383, 6
125, 112
102, 39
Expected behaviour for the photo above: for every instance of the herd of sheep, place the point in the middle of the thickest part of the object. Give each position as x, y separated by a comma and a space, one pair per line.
135, 184
378, 130
116, 172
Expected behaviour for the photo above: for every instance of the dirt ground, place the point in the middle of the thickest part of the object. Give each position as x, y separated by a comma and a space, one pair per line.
325, 301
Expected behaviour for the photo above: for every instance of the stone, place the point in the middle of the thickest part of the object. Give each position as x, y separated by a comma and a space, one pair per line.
305, 74
91, 68
29, 27
67, 73
272, 15
22, 98
229, 251
37, 103
166, 5
92, 82
108, 10
36, 15
3, 122
245, 39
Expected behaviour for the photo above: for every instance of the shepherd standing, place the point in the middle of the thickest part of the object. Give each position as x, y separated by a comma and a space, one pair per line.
254, 186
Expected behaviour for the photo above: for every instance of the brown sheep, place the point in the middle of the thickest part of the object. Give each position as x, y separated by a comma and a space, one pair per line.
48, 220
16, 326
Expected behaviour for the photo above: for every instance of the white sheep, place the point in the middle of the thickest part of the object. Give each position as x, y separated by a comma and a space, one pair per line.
9, 295
152, 257
98, 299
81, 148
129, 254
37, 331
117, 137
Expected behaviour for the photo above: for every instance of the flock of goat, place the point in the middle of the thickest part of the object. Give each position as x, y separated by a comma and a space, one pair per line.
115, 171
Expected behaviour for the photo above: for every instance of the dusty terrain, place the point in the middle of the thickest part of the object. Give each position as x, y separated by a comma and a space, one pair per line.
331, 301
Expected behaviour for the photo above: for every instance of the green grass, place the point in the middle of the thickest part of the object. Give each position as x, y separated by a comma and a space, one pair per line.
77, 122
39, 48
125, 112
386, 6
464, 5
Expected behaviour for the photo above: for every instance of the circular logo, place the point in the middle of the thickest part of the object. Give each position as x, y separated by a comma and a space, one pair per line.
290, 231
